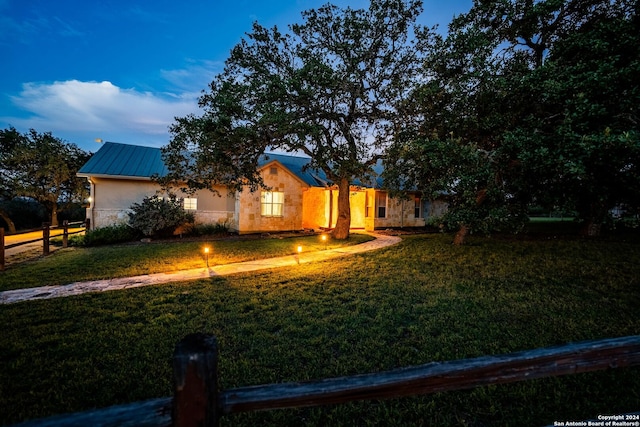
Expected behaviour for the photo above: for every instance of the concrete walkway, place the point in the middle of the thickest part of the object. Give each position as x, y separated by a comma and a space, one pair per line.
77, 288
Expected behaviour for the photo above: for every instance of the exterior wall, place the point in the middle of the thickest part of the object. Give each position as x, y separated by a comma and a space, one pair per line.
304, 206
315, 208
400, 212
357, 204
111, 200
250, 218
436, 208
321, 208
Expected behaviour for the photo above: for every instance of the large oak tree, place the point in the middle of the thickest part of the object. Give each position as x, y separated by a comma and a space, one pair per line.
42, 167
328, 88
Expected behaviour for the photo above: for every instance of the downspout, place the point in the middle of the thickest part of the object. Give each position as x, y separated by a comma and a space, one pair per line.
92, 194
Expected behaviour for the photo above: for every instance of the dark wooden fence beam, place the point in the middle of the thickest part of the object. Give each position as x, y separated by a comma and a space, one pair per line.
65, 233
45, 238
195, 370
437, 377
198, 402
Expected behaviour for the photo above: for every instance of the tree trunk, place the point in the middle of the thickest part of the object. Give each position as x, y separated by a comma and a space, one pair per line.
343, 223
461, 235
10, 224
54, 215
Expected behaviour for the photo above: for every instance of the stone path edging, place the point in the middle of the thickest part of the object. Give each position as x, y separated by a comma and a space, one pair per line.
77, 288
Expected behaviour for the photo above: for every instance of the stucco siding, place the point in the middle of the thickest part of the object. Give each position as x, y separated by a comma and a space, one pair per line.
113, 198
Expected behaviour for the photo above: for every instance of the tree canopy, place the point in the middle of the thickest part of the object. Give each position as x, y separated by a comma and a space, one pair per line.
42, 167
521, 102
526, 101
329, 88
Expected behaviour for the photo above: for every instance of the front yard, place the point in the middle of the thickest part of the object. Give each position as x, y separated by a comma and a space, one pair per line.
423, 300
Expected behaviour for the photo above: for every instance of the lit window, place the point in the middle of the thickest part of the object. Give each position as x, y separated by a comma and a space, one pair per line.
190, 204
417, 207
381, 205
272, 203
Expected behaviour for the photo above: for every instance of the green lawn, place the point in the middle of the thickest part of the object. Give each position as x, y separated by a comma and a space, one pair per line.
420, 301
76, 264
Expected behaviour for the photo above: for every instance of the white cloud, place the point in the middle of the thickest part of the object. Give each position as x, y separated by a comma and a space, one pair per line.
74, 109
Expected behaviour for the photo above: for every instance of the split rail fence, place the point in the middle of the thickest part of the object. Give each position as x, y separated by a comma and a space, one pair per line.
197, 401
45, 239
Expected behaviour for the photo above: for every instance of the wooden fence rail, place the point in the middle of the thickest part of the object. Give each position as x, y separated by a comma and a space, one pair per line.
198, 402
45, 239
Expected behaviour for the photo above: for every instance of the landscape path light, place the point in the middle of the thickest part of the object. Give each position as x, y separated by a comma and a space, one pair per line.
206, 254
324, 240
297, 256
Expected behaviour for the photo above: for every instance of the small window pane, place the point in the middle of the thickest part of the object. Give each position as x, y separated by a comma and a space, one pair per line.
381, 205
190, 203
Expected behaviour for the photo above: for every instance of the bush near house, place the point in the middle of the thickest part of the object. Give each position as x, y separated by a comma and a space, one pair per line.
156, 217
106, 236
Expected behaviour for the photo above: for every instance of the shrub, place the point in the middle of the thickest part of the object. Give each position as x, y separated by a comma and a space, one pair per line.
219, 228
106, 236
158, 217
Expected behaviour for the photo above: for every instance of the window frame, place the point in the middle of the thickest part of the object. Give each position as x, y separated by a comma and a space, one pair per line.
381, 210
272, 204
190, 203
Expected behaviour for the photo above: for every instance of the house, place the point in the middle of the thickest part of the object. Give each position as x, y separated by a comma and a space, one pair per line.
298, 198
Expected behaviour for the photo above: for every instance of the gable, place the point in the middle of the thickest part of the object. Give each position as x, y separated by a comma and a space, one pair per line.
296, 166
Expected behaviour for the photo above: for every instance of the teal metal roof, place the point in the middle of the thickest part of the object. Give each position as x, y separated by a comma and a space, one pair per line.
296, 165
126, 161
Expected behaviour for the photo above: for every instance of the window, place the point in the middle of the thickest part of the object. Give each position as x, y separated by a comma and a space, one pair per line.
190, 204
272, 203
273, 171
417, 207
368, 205
381, 205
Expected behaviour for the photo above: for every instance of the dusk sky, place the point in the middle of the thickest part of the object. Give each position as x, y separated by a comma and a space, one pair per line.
122, 70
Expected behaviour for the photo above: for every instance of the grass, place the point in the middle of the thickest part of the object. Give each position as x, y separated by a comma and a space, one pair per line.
77, 264
420, 301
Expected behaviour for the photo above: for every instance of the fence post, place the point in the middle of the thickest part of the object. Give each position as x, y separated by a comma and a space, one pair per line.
65, 233
1, 248
195, 375
45, 238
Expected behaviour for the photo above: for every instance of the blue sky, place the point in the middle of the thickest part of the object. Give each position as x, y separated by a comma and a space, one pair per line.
121, 70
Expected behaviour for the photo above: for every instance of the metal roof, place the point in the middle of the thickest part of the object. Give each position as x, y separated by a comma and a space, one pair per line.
125, 160
135, 161
296, 165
